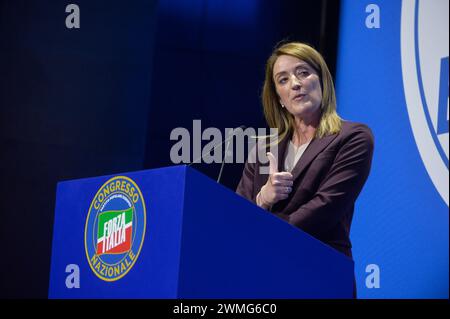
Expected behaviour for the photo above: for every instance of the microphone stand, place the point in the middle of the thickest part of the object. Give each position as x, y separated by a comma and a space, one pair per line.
227, 140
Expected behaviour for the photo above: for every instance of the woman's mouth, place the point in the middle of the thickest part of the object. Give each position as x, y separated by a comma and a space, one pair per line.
299, 97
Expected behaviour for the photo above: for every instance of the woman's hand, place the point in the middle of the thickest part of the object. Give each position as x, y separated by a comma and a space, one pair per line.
278, 186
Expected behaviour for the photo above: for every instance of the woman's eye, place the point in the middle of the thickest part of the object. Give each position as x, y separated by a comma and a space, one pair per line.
282, 80
302, 73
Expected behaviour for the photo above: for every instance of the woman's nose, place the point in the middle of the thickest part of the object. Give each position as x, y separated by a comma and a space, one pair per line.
295, 83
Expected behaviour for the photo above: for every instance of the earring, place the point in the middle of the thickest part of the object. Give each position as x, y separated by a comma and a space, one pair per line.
282, 105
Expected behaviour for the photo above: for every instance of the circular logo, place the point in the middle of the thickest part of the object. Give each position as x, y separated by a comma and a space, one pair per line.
425, 58
115, 228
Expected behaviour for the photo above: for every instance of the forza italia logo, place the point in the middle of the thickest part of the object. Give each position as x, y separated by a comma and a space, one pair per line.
114, 232
115, 228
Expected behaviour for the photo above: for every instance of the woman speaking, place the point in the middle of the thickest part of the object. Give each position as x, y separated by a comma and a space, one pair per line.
323, 161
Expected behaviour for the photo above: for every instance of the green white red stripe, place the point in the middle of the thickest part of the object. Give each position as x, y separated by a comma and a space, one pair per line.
114, 231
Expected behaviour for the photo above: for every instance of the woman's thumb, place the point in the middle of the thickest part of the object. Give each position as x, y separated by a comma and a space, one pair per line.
273, 165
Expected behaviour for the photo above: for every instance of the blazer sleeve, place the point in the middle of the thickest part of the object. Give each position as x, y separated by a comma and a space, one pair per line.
341, 186
246, 184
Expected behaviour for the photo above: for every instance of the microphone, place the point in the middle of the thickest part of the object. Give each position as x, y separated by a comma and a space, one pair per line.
226, 150
227, 140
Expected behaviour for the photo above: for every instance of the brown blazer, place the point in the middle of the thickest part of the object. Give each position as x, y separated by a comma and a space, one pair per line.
327, 180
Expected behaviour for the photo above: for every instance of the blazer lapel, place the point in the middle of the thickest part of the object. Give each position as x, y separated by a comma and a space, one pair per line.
282, 148
316, 146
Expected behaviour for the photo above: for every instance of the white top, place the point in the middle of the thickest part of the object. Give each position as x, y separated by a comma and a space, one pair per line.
293, 154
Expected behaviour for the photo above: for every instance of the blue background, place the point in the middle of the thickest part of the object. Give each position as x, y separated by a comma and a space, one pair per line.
400, 222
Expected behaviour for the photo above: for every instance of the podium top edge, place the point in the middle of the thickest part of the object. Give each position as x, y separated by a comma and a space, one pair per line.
182, 167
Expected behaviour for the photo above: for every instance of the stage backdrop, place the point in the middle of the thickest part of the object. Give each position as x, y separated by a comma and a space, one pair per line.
393, 75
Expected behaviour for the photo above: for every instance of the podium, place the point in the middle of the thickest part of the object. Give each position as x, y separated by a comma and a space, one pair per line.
197, 239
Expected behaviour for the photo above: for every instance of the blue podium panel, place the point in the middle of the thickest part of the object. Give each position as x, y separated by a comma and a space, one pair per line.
234, 249
189, 238
155, 273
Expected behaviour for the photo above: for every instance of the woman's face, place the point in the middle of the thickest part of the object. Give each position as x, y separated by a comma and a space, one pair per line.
298, 87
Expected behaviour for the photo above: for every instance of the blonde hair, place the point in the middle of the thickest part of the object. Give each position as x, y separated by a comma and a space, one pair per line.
278, 117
